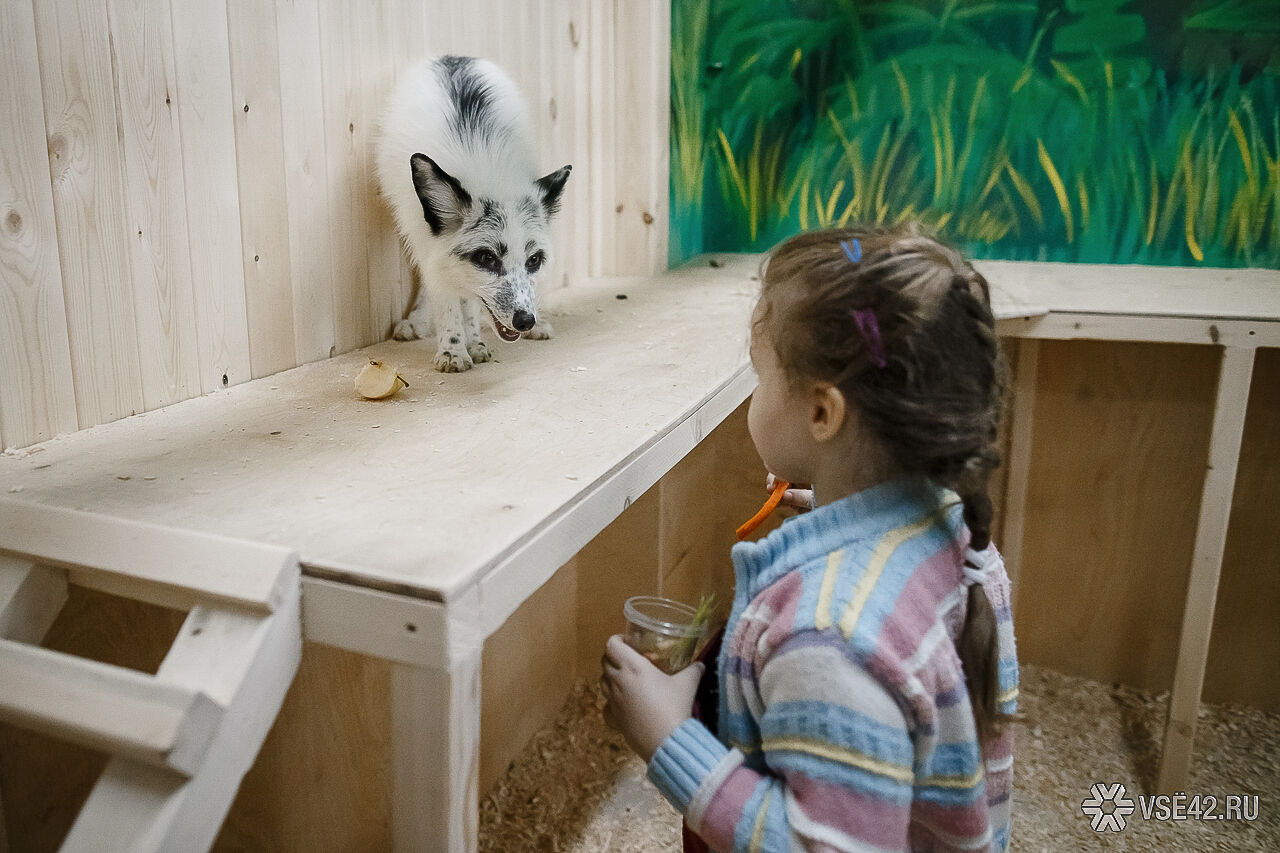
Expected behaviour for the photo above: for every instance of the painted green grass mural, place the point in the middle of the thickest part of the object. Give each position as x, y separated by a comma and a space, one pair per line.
1102, 131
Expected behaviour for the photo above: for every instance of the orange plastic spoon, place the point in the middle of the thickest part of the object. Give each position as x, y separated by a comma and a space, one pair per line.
775, 497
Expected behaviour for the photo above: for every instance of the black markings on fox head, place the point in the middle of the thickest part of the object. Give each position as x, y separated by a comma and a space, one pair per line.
470, 95
550, 187
444, 201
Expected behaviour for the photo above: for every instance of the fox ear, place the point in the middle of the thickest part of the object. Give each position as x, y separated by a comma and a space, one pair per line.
550, 187
444, 201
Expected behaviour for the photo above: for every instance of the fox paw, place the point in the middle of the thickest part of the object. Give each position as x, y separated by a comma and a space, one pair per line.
451, 362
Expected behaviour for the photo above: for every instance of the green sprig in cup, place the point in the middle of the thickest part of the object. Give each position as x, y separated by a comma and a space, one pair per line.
668, 633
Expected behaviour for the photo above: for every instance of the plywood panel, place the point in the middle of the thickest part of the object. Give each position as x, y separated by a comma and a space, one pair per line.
704, 499
36, 399
1121, 435
322, 779
641, 110
87, 172
528, 671
348, 198
1244, 651
305, 175
377, 46
155, 199
602, 133
264, 213
620, 562
202, 60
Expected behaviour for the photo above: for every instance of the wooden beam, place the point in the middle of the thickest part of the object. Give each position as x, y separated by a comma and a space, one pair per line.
31, 597
1022, 417
242, 660
1234, 377
373, 622
240, 573
119, 711
435, 744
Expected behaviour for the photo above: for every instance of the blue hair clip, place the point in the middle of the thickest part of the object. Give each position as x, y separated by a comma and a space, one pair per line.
852, 249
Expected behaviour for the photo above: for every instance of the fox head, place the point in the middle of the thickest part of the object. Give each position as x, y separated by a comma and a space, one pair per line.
495, 247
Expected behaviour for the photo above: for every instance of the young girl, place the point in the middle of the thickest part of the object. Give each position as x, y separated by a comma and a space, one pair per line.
867, 670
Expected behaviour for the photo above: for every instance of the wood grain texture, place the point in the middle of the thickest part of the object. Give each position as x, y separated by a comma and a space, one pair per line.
202, 62
346, 131
306, 179
202, 244
264, 210
36, 399
1244, 649
87, 172
527, 672
1111, 511
155, 199
322, 778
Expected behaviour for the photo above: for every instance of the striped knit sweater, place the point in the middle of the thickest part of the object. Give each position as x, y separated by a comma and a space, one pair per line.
844, 716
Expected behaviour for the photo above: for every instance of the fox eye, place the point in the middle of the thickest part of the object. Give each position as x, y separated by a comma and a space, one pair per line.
486, 260
535, 262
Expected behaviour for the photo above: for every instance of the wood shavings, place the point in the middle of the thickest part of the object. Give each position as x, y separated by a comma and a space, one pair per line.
577, 788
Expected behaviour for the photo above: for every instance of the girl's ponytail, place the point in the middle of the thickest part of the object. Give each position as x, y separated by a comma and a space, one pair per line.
978, 645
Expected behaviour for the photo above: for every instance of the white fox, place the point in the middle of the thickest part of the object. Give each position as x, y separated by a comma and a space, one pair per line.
454, 157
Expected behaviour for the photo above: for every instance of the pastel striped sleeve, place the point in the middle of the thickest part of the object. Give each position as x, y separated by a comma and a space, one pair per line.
839, 761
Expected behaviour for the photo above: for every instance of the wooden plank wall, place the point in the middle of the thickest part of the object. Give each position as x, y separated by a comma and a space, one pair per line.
185, 191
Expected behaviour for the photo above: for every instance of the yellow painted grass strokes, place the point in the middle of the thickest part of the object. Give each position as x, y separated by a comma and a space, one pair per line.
1242, 143
1008, 695
832, 752
1059, 189
1022, 80
939, 168
757, 832
822, 618
1155, 201
1072, 80
1028, 194
875, 567
1192, 245
1083, 192
903, 88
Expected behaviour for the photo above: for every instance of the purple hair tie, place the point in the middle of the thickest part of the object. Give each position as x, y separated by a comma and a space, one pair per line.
852, 249
865, 318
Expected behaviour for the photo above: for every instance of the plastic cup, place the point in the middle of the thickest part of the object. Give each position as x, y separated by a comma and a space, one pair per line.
663, 631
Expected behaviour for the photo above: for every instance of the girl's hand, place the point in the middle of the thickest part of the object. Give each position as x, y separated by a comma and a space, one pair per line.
799, 496
644, 703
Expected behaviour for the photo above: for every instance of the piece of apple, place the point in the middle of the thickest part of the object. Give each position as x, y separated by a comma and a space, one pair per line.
377, 380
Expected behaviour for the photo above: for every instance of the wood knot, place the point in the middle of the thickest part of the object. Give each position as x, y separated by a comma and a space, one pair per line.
647, 217
13, 221
618, 209
57, 146
573, 34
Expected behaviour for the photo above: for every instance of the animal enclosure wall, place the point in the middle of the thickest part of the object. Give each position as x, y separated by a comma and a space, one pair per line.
185, 190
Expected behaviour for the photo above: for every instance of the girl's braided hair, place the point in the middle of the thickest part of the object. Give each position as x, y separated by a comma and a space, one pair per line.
931, 388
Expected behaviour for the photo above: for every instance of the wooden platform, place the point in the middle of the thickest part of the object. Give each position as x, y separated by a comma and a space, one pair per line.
424, 521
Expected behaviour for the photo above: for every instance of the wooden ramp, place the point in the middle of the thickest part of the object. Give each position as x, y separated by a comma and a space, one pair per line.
181, 740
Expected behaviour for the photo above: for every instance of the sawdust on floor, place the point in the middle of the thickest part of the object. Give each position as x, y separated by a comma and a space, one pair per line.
576, 787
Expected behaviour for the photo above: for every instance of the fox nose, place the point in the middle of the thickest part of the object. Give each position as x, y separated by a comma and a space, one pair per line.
523, 321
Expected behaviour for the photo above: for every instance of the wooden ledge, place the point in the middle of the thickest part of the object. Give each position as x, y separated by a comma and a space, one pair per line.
473, 488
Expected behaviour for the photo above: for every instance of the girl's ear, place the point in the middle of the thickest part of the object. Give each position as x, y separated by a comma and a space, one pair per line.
827, 412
